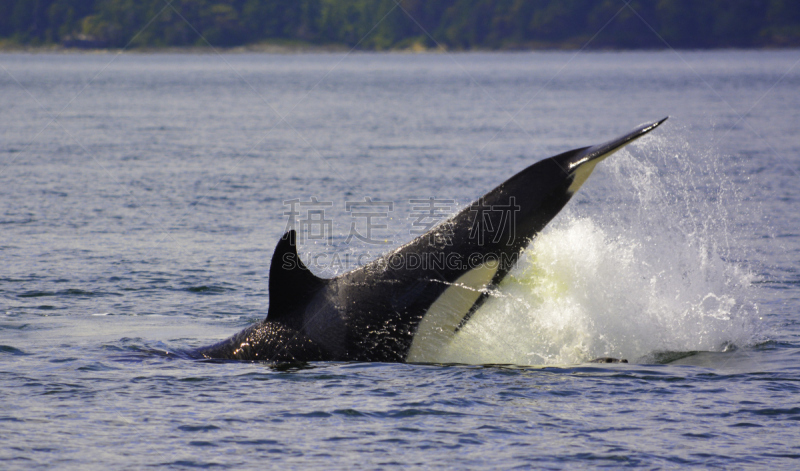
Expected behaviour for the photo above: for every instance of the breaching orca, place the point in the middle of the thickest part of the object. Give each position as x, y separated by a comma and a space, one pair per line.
407, 304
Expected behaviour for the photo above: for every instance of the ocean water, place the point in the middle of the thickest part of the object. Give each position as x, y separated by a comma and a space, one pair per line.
141, 197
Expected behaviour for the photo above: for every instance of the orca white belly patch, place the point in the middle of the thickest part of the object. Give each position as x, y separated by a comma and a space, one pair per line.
441, 322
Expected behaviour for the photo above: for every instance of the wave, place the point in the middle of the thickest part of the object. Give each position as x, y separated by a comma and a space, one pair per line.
646, 263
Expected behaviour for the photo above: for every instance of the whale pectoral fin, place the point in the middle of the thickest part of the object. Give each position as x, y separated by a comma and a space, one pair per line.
291, 283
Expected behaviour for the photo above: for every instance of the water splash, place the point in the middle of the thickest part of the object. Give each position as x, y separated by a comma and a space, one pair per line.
643, 263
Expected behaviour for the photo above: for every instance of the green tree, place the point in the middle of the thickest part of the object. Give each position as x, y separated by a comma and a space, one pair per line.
382, 24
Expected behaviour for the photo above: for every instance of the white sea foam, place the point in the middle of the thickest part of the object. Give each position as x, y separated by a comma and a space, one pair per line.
640, 266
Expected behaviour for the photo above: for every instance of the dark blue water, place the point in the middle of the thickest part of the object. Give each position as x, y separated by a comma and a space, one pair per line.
141, 197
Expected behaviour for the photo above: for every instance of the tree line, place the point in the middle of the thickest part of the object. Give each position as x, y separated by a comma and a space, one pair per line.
386, 24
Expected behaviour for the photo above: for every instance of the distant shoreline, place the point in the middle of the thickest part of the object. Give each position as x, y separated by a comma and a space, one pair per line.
298, 26
267, 48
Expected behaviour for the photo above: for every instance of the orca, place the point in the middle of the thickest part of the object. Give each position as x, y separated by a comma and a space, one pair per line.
407, 304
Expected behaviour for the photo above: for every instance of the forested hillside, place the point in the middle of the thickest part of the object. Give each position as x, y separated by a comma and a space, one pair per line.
384, 24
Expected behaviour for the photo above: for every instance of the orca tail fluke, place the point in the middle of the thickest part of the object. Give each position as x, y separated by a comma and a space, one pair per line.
582, 163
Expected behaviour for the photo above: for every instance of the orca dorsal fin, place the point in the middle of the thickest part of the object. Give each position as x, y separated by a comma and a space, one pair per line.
290, 281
